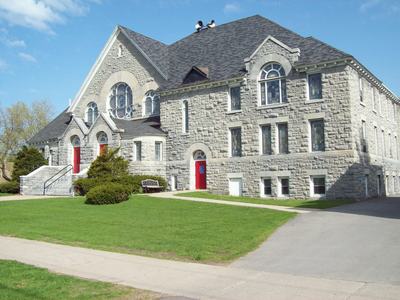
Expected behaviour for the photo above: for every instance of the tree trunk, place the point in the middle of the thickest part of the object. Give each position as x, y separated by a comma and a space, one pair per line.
4, 170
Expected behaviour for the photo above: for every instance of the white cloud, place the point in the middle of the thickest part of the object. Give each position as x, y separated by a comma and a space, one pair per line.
233, 7
41, 14
9, 41
27, 57
380, 7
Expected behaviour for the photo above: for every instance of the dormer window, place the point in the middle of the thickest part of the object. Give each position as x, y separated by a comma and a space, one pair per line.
272, 84
91, 113
151, 105
121, 101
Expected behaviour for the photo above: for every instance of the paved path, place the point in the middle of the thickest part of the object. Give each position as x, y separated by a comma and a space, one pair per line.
174, 195
27, 197
357, 242
197, 281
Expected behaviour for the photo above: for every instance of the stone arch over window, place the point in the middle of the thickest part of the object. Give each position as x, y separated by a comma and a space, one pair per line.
92, 113
121, 101
151, 104
102, 138
272, 84
75, 141
199, 155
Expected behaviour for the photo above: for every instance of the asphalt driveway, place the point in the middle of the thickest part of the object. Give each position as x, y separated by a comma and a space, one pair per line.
358, 242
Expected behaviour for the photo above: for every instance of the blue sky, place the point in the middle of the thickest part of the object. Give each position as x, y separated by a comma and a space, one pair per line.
48, 46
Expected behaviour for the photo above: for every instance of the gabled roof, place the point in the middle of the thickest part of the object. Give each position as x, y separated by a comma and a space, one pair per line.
54, 129
137, 128
224, 48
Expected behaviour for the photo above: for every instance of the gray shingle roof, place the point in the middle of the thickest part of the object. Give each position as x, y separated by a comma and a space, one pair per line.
142, 127
53, 130
223, 49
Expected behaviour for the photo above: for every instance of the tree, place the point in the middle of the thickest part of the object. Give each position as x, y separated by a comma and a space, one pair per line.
28, 159
18, 123
108, 165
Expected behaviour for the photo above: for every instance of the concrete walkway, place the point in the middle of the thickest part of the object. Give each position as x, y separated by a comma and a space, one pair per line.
192, 280
175, 195
28, 197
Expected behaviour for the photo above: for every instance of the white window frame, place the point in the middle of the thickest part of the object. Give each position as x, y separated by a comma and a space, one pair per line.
278, 142
310, 135
376, 139
280, 195
153, 97
262, 195
312, 194
160, 158
230, 99
135, 144
374, 92
260, 138
383, 143
91, 105
361, 89
264, 81
308, 87
185, 117
128, 109
230, 141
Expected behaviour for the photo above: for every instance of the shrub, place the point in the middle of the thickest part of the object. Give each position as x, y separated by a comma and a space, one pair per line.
108, 164
10, 187
109, 193
83, 185
27, 160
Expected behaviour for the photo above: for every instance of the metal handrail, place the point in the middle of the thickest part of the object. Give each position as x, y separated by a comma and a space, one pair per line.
45, 185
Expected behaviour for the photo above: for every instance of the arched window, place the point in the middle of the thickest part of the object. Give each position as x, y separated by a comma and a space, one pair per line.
185, 116
121, 101
75, 141
273, 84
199, 155
102, 139
151, 104
91, 113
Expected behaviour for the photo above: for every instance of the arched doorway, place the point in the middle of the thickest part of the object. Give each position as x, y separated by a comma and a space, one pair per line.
200, 165
102, 139
76, 154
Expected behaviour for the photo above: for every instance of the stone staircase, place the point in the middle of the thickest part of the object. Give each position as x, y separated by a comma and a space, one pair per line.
48, 180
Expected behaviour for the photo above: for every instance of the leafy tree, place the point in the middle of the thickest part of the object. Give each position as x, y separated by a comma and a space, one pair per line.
18, 123
108, 165
27, 160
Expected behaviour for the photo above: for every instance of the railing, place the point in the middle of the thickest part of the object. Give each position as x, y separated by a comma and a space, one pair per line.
64, 171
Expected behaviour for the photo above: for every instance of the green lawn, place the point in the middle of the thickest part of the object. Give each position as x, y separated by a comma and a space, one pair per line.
6, 194
20, 281
148, 226
320, 204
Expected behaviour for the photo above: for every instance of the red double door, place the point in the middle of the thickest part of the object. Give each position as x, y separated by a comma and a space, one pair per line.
77, 160
201, 175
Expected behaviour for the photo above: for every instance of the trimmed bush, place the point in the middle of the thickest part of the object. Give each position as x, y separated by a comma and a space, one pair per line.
110, 193
132, 183
28, 159
10, 187
108, 164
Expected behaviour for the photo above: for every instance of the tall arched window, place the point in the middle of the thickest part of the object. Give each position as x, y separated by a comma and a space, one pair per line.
91, 113
185, 116
121, 101
102, 139
273, 84
151, 105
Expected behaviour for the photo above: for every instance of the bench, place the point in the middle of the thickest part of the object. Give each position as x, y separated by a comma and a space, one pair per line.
151, 185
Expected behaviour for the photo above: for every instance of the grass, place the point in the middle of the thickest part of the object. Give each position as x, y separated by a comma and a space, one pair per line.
319, 204
147, 226
6, 194
21, 281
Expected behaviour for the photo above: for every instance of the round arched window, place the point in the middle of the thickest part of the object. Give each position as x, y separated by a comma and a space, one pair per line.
102, 138
75, 141
121, 101
273, 84
91, 113
151, 104
199, 155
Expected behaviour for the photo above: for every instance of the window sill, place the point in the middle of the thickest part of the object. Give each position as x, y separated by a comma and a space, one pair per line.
261, 107
314, 101
362, 104
231, 112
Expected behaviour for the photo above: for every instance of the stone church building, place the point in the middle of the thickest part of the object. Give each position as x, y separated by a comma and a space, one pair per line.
246, 108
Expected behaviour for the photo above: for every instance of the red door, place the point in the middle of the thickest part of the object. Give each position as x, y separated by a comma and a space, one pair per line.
103, 148
77, 159
201, 175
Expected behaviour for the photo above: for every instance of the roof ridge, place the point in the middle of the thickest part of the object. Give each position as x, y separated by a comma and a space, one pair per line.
141, 34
